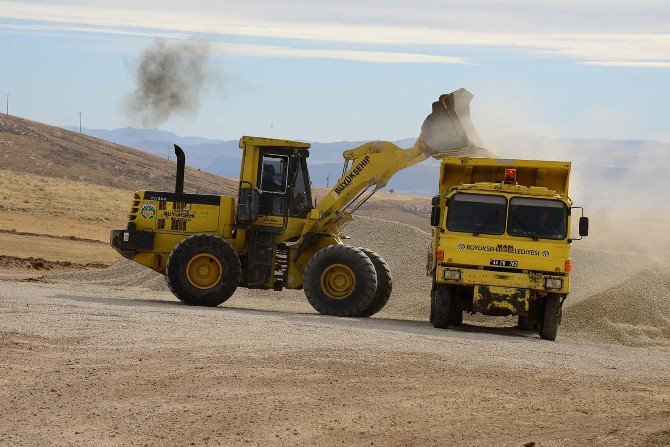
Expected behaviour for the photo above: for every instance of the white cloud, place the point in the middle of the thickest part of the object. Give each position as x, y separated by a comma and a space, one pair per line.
631, 48
233, 49
632, 64
89, 29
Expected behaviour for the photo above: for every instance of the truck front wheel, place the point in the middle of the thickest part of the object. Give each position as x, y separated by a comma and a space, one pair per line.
526, 323
551, 317
442, 299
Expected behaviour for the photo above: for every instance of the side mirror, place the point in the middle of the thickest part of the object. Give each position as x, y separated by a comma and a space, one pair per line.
583, 226
248, 205
435, 212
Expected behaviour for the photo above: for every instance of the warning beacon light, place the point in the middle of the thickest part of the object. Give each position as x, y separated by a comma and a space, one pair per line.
510, 175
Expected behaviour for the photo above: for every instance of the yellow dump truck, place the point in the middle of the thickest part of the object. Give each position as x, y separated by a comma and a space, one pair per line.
501, 241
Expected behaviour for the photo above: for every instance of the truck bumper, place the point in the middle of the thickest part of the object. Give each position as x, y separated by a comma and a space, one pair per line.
474, 277
127, 242
491, 300
502, 293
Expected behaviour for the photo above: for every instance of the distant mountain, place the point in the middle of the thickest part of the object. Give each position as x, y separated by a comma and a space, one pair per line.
585, 152
625, 173
130, 136
222, 157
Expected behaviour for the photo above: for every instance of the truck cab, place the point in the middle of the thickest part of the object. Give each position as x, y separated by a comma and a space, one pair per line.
501, 241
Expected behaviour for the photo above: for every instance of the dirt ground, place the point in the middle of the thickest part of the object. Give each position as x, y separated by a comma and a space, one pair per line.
109, 357
85, 366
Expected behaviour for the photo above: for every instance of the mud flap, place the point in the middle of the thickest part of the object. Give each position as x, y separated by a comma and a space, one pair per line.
500, 301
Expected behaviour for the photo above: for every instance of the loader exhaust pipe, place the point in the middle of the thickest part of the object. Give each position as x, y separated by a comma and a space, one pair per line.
448, 130
181, 163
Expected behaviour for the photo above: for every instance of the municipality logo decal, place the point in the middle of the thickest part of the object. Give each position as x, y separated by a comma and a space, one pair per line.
148, 211
461, 246
545, 253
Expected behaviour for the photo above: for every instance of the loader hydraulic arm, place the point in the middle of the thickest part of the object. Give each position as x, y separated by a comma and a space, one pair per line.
446, 131
368, 168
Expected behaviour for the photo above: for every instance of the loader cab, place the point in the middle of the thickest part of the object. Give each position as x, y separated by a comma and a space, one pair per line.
274, 184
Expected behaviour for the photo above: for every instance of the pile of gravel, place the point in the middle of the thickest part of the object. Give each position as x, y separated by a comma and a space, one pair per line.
405, 249
616, 297
635, 312
122, 274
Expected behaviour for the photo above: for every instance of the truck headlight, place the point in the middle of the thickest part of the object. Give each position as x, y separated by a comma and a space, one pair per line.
553, 283
452, 275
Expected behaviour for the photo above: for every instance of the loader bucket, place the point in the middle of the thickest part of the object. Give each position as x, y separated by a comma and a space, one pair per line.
448, 131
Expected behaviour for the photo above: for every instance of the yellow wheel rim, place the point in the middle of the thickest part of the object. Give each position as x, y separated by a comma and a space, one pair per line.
338, 281
204, 271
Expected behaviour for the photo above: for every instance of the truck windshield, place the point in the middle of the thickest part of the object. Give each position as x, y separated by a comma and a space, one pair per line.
537, 218
477, 213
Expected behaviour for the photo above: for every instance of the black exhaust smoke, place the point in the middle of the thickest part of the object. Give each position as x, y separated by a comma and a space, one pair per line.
181, 163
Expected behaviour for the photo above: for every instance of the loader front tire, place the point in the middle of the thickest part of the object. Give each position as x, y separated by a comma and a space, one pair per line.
340, 280
551, 317
384, 283
440, 306
203, 270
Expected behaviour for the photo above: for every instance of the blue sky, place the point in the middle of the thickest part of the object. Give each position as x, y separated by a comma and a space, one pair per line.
353, 70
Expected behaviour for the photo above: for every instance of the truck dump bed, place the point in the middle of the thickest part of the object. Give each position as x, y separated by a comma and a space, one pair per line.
553, 175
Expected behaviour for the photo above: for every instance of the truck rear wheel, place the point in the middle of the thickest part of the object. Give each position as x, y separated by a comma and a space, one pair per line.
551, 317
440, 306
526, 323
340, 280
203, 270
384, 283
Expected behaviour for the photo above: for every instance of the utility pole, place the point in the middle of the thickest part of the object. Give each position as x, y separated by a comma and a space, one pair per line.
79, 122
7, 94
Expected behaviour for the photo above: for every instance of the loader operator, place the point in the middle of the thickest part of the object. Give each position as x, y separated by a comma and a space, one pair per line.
268, 183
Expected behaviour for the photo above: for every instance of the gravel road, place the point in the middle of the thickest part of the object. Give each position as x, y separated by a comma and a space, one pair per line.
96, 365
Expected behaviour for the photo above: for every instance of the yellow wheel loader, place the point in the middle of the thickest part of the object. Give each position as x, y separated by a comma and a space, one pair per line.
272, 235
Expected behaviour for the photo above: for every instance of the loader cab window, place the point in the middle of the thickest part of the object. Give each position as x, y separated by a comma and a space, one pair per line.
273, 173
477, 213
300, 202
537, 218
272, 183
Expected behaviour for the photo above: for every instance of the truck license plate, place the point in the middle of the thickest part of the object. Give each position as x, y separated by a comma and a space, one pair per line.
503, 263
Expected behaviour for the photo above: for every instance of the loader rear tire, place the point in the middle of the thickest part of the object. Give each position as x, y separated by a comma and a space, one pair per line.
440, 306
203, 270
340, 280
551, 317
384, 283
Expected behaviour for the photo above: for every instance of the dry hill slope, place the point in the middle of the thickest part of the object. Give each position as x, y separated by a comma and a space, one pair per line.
36, 148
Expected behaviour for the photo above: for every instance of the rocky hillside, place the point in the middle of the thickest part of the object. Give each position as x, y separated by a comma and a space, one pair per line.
36, 148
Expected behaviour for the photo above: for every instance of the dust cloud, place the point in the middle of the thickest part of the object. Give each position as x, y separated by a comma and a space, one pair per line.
169, 80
